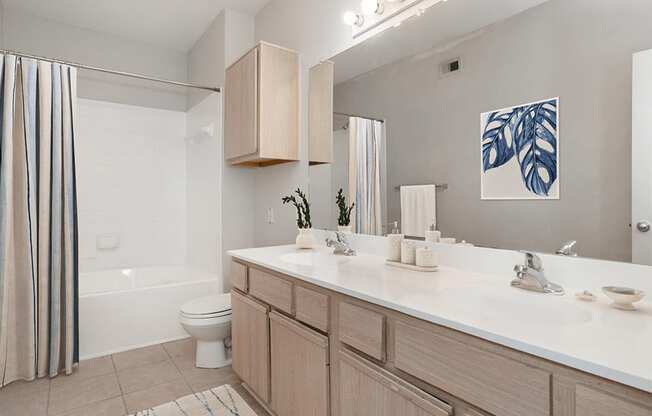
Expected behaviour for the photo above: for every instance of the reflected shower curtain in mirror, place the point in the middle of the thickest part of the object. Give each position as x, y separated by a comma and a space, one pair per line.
365, 149
38, 220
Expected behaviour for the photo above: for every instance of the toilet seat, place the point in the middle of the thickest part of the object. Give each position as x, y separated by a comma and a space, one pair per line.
208, 307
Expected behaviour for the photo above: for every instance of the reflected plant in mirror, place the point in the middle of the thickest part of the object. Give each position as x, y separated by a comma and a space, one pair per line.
344, 218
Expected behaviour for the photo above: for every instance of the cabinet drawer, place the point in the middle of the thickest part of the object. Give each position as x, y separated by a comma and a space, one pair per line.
311, 307
589, 402
368, 390
493, 383
362, 329
271, 289
239, 276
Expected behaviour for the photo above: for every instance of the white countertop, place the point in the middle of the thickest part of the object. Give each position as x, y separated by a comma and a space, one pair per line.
591, 337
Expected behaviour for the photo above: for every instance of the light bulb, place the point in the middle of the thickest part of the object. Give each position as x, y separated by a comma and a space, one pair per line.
370, 7
353, 19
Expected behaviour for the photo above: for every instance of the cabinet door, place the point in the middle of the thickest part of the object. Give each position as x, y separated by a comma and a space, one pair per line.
250, 339
321, 113
278, 103
368, 390
589, 402
241, 107
299, 369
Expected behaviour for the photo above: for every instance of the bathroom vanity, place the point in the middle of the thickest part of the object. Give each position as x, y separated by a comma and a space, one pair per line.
318, 334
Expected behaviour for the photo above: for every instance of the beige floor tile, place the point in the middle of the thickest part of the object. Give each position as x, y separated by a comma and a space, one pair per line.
18, 388
77, 393
200, 379
138, 357
181, 350
143, 377
111, 407
87, 369
156, 395
24, 403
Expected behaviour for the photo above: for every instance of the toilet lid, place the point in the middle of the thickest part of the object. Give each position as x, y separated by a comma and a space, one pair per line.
209, 305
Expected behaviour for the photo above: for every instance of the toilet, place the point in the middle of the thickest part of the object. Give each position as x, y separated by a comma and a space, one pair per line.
208, 320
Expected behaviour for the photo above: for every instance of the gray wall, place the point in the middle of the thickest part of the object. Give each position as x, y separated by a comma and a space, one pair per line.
579, 50
27, 33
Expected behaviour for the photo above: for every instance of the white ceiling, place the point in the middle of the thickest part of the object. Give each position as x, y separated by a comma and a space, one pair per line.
443, 24
175, 24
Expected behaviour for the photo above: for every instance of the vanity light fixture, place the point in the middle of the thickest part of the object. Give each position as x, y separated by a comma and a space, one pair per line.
370, 7
353, 18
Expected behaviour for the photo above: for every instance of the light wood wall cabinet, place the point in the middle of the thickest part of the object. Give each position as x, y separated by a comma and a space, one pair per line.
299, 369
261, 96
307, 351
321, 113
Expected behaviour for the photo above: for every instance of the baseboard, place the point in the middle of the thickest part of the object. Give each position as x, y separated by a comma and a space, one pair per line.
258, 399
132, 347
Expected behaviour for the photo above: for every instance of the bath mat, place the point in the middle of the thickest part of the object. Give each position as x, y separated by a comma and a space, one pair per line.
220, 401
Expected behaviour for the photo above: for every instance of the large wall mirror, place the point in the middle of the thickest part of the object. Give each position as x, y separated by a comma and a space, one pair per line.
514, 125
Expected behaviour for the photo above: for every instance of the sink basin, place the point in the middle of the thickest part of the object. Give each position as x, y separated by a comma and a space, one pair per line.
313, 259
526, 308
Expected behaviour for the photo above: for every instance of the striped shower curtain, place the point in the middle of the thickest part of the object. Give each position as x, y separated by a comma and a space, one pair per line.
365, 150
38, 220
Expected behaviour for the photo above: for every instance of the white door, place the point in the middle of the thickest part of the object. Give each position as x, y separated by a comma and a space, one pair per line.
642, 158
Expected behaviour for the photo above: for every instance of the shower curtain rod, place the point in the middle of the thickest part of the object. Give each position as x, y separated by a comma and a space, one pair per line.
357, 116
110, 71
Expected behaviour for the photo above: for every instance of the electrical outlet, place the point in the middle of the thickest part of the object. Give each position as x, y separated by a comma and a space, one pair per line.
270, 215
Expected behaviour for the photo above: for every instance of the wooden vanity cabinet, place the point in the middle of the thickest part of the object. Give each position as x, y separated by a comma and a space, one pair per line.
299, 366
307, 351
261, 107
250, 340
368, 390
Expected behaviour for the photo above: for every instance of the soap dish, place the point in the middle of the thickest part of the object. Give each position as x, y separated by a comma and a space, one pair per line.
586, 296
623, 297
411, 266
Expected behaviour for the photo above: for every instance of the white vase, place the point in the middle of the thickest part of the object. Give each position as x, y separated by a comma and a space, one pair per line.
346, 229
305, 238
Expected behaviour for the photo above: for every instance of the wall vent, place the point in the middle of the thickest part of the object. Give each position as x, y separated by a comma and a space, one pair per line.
450, 67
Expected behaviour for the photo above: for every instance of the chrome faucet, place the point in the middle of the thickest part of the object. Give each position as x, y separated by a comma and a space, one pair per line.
530, 276
568, 249
341, 244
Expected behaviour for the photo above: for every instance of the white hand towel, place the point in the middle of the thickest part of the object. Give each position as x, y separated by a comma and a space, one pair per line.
418, 209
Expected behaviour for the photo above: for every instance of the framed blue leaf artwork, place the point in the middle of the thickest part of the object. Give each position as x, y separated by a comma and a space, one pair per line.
520, 151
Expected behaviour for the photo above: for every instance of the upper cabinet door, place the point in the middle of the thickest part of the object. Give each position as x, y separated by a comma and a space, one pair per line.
262, 107
321, 113
241, 109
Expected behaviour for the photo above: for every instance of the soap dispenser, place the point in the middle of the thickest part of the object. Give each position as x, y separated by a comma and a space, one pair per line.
394, 240
432, 235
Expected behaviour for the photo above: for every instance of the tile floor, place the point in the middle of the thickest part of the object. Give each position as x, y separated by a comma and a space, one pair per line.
119, 384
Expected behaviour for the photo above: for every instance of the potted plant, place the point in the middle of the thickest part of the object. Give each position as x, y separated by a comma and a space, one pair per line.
305, 239
344, 219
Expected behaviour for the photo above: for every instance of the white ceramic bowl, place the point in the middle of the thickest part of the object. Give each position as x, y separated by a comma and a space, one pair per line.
623, 297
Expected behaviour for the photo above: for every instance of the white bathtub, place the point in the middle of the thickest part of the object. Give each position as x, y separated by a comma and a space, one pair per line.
124, 309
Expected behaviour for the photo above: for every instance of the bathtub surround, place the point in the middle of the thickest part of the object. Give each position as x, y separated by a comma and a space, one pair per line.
132, 185
38, 220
